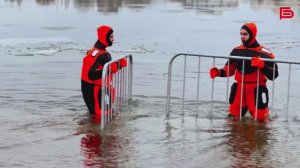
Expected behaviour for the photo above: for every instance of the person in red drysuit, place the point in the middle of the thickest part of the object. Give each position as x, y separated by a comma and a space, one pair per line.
92, 66
250, 48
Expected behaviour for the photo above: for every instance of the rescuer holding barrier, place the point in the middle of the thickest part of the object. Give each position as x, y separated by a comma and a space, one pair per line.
247, 86
92, 66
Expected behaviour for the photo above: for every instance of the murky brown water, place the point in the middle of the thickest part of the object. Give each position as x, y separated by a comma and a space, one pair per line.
43, 116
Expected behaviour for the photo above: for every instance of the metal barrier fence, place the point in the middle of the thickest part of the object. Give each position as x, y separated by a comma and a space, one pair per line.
197, 66
116, 89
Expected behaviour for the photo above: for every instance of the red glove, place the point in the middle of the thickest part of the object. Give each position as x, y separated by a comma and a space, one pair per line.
114, 67
214, 72
123, 62
257, 62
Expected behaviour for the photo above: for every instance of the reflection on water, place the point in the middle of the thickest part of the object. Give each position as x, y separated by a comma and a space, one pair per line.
248, 143
291, 3
105, 6
186, 3
114, 5
90, 148
109, 6
97, 150
204, 6
45, 2
207, 4
19, 2
198, 5
214, 7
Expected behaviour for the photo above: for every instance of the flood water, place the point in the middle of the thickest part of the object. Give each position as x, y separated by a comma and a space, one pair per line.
44, 121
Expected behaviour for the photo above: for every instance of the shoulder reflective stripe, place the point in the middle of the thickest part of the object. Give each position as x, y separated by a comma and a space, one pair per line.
95, 53
264, 97
266, 50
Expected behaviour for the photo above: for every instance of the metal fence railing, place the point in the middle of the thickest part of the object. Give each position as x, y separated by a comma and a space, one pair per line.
116, 89
196, 73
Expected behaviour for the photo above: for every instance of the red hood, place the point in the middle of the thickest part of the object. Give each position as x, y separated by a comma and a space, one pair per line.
252, 30
103, 33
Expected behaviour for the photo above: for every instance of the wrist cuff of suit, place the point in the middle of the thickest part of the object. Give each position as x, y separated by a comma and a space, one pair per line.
222, 73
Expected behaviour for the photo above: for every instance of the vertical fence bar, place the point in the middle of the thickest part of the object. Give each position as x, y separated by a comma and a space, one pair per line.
102, 97
110, 96
288, 94
242, 89
273, 86
125, 86
183, 89
257, 89
198, 83
212, 91
106, 99
123, 89
169, 87
105, 79
115, 83
120, 90
118, 93
104, 108
115, 94
227, 88
130, 73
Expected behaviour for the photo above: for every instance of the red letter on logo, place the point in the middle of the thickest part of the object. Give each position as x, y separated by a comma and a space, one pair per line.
285, 12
